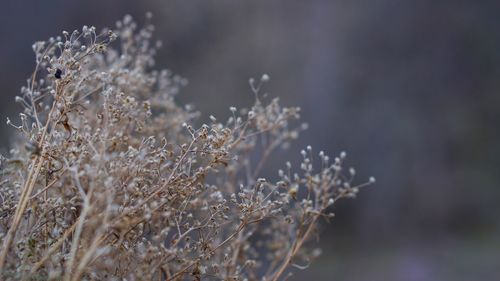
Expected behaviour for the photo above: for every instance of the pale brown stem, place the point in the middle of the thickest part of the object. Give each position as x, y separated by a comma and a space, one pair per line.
183, 270
293, 251
53, 248
28, 187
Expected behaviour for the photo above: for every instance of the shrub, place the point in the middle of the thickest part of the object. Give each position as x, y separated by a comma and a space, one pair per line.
108, 179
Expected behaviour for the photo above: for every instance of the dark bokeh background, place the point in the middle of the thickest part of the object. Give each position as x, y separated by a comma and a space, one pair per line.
409, 88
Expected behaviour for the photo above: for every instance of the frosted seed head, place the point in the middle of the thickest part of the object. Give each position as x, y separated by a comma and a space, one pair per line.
303, 153
265, 78
352, 171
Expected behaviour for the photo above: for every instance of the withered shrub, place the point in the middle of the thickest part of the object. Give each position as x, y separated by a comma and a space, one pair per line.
108, 179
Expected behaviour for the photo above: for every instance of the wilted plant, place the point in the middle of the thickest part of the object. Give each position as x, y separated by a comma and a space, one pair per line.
108, 179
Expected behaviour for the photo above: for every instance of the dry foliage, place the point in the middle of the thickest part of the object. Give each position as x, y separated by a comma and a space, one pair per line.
109, 181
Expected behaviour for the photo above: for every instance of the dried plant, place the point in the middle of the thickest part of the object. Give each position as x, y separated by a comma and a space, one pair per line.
107, 179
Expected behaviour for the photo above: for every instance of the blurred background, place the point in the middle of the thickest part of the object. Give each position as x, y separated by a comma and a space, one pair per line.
410, 89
